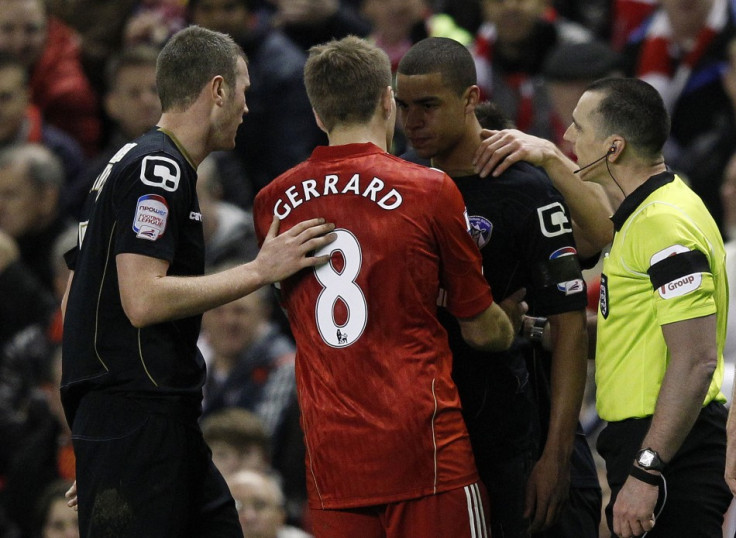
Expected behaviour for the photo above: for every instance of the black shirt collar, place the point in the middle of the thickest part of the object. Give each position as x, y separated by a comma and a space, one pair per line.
634, 200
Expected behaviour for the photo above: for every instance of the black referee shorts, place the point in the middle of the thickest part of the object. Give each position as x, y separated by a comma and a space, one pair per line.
697, 494
144, 470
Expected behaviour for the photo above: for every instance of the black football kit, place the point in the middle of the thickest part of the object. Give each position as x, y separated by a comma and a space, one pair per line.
132, 396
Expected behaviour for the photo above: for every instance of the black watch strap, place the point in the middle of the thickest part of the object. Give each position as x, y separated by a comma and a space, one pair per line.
641, 474
536, 333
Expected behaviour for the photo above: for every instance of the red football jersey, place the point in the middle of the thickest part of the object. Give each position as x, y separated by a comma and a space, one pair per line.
380, 412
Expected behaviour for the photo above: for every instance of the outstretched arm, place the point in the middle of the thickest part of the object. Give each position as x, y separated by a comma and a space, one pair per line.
588, 203
150, 296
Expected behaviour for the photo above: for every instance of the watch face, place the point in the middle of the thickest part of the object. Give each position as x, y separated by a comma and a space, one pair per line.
646, 458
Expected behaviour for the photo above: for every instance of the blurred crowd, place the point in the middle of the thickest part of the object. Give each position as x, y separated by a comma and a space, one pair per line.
77, 81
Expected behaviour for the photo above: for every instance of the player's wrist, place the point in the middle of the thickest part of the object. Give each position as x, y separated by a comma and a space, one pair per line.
558, 457
653, 478
535, 329
256, 273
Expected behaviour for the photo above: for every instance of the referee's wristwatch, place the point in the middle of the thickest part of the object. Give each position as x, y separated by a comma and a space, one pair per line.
648, 459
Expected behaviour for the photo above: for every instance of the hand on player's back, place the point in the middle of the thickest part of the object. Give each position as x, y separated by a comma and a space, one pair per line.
284, 254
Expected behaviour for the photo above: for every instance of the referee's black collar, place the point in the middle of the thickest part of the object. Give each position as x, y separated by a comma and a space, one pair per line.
634, 200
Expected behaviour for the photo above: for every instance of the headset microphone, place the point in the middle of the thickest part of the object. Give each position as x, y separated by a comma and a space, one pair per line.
612, 149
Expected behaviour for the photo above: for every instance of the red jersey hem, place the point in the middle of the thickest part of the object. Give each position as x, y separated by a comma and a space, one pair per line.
328, 503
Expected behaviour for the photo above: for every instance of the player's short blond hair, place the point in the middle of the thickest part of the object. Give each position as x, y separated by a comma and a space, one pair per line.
345, 79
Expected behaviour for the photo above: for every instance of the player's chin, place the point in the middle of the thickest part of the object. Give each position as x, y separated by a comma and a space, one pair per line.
422, 148
226, 143
424, 153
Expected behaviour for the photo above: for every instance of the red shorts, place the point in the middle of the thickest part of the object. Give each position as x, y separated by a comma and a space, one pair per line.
458, 513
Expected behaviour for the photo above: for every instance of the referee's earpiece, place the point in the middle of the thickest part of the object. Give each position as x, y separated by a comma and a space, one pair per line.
610, 151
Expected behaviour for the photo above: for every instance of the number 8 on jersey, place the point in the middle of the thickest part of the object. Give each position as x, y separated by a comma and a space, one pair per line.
340, 285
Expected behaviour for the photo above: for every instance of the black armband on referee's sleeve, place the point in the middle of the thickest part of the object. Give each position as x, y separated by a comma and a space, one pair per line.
677, 266
642, 475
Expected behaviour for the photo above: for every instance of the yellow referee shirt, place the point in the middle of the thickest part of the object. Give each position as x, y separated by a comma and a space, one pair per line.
666, 264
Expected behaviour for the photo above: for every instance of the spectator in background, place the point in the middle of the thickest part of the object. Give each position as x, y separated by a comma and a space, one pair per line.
239, 440
592, 14
50, 52
311, 22
261, 505
252, 362
729, 76
510, 49
38, 442
46, 452
467, 13
130, 102
25, 301
22, 122
279, 132
228, 229
397, 24
490, 117
624, 17
31, 178
99, 24
682, 50
54, 519
237, 189
153, 22
25, 310
567, 71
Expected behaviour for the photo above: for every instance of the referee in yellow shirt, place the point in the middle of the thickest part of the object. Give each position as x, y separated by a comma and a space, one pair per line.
663, 309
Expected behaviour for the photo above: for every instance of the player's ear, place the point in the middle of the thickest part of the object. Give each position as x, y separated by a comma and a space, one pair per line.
616, 146
388, 103
217, 90
471, 96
